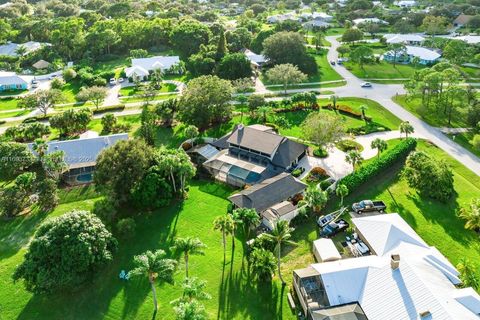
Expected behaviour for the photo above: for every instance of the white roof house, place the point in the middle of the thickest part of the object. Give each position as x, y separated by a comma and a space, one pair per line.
468, 39
10, 48
255, 59
426, 56
141, 67
405, 3
361, 21
406, 279
282, 17
413, 39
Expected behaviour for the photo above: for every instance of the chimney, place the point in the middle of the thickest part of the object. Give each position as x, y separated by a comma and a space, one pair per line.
425, 315
395, 261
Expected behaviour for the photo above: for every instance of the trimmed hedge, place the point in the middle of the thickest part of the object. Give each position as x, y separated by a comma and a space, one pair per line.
35, 119
386, 160
118, 107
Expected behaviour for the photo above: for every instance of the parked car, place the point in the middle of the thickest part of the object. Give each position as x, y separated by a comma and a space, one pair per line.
369, 205
333, 228
332, 63
366, 85
34, 83
53, 76
120, 80
113, 81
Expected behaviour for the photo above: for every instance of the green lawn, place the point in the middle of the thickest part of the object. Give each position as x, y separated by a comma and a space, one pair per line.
464, 139
140, 99
471, 72
70, 90
12, 114
432, 117
381, 70
130, 91
8, 104
234, 294
334, 31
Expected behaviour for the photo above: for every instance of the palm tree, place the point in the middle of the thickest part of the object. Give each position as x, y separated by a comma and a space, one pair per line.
407, 128
242, 99
364, 108
193, 288
40, 147
379, 144
190, 310
264, 111
342, 192
471, 215
396, 48
225, 224
315, 198
280, 235
155, 267
189, 246
248, 218
415, 62
263, 264
354, 157
21, 50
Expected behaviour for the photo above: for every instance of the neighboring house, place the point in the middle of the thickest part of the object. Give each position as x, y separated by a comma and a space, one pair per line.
462, 20
468, 39
142, 67
318, 16
316, 24
361, 21
282, 17
271, 196
256, 60
407, 39
405, 3
11, 49
253, 153
12, 81
81, 155
404, 279
426, 56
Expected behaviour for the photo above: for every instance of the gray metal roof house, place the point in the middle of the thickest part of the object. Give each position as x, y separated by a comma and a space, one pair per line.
253, 153
269, 192
81, 155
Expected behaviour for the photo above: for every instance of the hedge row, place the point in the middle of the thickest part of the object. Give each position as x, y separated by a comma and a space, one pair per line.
35, 119
118, 107
386, 160
346, 110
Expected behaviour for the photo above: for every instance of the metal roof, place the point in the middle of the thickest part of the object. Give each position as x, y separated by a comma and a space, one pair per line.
256, 140
81, 153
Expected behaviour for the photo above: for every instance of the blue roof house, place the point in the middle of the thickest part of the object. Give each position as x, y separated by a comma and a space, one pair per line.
81, 155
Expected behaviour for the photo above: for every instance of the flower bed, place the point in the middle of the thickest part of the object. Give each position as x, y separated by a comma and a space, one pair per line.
317, 174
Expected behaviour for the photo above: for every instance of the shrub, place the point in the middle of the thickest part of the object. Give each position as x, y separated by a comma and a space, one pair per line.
69, 74
348, 145
105, 210
317, 174
27, 132
386, 160
346, 110
371, 127
35, 119
320, 153
476, 142
186, 146
126, 228
118, 107
297, 172
325, 184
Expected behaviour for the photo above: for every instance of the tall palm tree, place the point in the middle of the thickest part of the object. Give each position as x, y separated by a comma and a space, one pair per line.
354, 157
364, 108
471, 215
248, 218
342, 192
224, 224
155, 267
280, 235
263, 264
407, 128
379, 144
189, 246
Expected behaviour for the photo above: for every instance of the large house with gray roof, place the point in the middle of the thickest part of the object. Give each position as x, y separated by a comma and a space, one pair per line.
250, 154
80, 155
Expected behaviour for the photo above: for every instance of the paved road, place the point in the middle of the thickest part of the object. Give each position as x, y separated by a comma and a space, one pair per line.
383, 93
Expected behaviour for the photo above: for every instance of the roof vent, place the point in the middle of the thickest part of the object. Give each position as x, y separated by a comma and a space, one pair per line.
425, 315
395, 261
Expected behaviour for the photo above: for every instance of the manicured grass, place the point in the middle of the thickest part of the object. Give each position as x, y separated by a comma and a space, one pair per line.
381, 70
11, 93
471, 72
12, 114
464, 139
8, 104
70, 90
234, 294
140, 99
334, 31
131, 91
432, 116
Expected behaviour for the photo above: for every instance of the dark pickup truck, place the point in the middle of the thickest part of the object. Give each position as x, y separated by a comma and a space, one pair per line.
369, 205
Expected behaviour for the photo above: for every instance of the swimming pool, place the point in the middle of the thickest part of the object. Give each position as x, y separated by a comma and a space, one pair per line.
85, 178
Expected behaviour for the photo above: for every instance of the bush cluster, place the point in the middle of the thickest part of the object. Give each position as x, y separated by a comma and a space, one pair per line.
118, 107
386, 160
347, 111
348, 145
320, 153
317, 174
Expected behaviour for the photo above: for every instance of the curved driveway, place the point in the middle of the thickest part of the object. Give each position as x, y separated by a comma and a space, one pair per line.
383, 94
